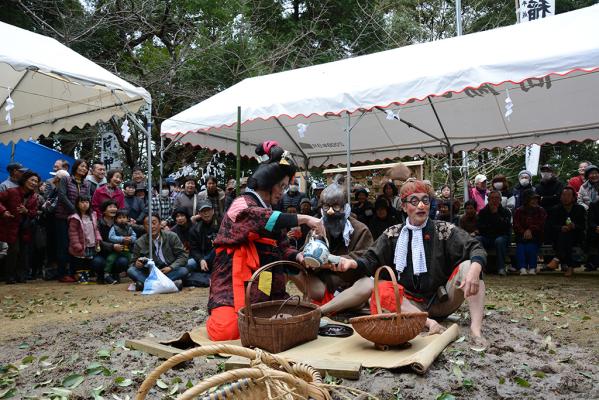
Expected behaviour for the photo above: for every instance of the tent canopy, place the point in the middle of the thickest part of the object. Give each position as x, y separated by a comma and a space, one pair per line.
454, 90
55, 88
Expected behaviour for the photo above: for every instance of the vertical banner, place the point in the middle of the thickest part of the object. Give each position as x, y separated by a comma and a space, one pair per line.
531, 10
533, 153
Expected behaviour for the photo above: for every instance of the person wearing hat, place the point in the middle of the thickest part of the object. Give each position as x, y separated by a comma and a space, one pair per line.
479, 192
524, 184
201, 236
529, 227
317, 189
15, 172
550, 188
589, 191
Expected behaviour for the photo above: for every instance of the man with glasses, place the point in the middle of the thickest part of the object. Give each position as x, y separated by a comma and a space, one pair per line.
348, 237
437, 264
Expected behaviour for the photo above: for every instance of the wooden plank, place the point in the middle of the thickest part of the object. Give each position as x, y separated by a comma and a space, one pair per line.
153, 347
339, 369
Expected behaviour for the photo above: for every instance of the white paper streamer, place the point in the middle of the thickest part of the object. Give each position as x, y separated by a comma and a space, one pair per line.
509, 105
125, 130
10, 104
392, 115
301, 130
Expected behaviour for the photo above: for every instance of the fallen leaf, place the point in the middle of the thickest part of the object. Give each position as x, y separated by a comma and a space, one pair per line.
539, 374
445, 396
72, 381
27, 360
460, 339
8, 393
161, 384
123, 382
103, 353
522, 382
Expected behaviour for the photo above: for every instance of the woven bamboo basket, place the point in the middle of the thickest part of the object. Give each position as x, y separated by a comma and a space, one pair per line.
258, 329
389, 329
269, 376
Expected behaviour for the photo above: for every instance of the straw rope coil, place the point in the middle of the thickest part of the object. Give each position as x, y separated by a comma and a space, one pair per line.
269, 377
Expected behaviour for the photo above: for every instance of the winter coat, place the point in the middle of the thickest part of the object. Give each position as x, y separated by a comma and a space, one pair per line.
77, 244
588, 194
494, 224
102, 194
550, 192
13, 228
558, 216
532, 218
518, 195
136, 208
201, 236
68, 191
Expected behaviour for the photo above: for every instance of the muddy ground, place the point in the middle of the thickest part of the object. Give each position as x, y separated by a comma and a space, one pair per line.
68, 340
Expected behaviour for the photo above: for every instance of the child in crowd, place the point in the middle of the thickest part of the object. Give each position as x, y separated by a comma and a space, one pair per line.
84, 238
529, 226
469, 219
121, 233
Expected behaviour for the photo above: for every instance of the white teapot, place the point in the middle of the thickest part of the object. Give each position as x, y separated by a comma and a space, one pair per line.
316, 252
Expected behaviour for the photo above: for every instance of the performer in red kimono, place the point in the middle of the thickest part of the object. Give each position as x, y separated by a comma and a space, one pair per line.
252, 235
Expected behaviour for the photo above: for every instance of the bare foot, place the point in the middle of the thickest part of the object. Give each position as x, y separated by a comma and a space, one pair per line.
478, 343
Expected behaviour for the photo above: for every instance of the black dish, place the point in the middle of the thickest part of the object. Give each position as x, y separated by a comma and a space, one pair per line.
335, 330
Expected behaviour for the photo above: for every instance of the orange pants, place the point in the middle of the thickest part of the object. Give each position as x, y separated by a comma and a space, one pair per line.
387, 296
222, 324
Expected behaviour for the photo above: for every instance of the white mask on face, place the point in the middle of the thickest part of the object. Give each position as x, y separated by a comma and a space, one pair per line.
164, 192
545, 175
498, 185
524, 181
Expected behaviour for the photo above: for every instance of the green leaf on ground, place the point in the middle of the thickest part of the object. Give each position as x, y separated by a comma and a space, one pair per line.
27, 360
460, 339
173, 389
94, 369
72, 381
189, 384
161, 384
522, 382
8, 393
23, 346
104, 353
586, 374
123, 382
467, 383
445, 396
44, 383
501, 380
97, 393
539, 374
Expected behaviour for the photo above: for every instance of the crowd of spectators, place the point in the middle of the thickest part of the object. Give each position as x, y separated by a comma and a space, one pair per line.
88, 224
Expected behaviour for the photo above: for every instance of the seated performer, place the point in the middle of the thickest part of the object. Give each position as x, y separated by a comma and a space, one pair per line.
252, 235
436, 263
347, 237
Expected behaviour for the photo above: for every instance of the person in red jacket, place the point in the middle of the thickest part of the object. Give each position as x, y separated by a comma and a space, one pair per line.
84, 237
577, 181
110, 191
18, 208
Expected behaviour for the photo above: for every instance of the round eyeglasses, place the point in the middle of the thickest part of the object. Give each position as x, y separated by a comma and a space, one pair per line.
415, 200
336, 207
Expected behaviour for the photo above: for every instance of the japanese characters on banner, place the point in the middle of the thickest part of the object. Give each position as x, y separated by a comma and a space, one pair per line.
531, 10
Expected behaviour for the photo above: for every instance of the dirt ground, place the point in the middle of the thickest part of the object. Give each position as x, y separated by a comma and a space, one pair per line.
68, 340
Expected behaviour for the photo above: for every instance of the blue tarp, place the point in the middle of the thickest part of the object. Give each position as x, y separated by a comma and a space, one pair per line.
32, 155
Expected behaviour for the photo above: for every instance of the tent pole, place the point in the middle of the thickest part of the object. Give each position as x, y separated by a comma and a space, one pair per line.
465, 174
161, 163
149, 159
238, 164
348, 131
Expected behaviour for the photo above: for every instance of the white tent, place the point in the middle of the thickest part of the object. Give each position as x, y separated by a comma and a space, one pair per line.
55, 88
448, 94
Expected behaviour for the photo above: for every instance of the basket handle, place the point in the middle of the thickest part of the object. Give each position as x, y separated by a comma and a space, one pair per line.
306, 296
395, 289
294, 297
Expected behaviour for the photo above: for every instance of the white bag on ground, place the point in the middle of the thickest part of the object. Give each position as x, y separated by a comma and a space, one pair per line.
157, 282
